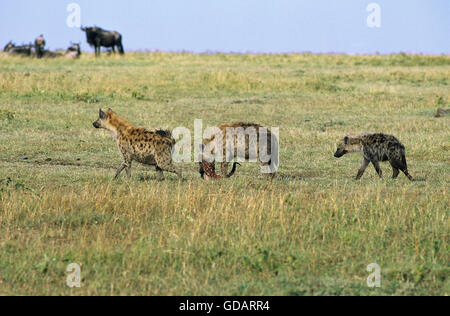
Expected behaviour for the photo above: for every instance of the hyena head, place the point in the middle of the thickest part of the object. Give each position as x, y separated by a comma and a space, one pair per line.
347, 145
103, 119
207, 168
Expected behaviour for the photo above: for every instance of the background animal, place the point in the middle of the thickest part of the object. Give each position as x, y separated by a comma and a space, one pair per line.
50, 54
39, 44
99, 37
74, 51
22, 50
8, 46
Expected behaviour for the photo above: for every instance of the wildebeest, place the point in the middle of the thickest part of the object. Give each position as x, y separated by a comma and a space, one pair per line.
39, 44
8, 46
73, 51
12, 49
50, 54
98, 37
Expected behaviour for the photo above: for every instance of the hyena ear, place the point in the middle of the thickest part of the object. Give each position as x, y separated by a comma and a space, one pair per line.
346, 140
101, 114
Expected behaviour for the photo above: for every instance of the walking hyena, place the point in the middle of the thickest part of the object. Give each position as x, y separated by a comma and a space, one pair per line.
376, 147
148, 147
251, 150
442, 112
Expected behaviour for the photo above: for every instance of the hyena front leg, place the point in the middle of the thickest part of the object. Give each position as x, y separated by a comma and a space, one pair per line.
266, 165
376, 164
362, 168
202, 171
224, 168
160, 172
120, 169
124, 165
164, 162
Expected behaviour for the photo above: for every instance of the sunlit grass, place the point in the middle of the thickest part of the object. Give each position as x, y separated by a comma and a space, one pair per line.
312, 230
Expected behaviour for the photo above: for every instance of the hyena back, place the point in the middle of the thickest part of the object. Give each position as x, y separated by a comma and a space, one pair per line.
249, 151
376, 147
147, 147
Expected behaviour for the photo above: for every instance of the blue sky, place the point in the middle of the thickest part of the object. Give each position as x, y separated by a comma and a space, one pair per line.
270, 26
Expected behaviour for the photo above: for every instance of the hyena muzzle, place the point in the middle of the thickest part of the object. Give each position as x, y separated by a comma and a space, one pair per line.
375, 147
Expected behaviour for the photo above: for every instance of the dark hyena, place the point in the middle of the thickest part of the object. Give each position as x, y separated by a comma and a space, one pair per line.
442, 112
376, 147
240, 131
148, 147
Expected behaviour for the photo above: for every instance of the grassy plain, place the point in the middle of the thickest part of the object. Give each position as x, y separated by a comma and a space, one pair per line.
311, 231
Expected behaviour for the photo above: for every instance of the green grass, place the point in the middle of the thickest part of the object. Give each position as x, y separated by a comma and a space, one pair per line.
313, 230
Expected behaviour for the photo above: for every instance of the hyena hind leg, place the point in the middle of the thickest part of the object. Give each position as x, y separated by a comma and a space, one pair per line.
395, 168
408, 175
395, 172
401, 165
165, 164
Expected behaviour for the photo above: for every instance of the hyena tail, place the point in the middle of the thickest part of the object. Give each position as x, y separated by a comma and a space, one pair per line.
233, 170
405, 165
404, 168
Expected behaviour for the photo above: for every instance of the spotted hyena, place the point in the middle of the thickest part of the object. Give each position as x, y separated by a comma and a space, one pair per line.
442, 112
375, 147
148, 147
245, 139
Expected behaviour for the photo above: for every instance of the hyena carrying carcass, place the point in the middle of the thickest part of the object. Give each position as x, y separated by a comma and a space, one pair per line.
147, 147
376, 147
242, 141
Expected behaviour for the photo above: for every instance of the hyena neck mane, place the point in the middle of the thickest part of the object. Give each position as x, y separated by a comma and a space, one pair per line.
355, 143
163, 133
118, 125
